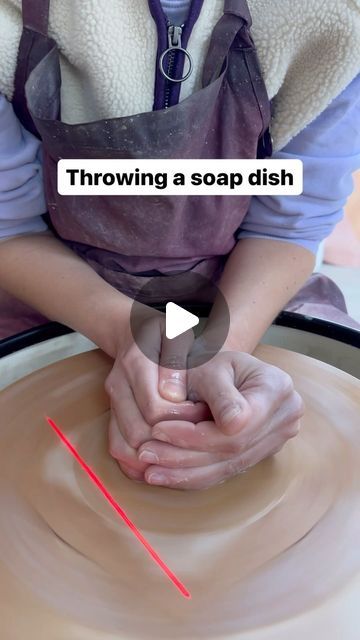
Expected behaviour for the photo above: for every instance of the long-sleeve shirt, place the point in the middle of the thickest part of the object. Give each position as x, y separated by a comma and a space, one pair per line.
22, 198
330, 151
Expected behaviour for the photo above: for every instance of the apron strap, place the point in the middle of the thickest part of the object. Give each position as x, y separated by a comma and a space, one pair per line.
236, 18
239, 8
33, 47
35, 15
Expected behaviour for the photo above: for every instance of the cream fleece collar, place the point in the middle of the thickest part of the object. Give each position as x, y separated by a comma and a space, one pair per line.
309, 51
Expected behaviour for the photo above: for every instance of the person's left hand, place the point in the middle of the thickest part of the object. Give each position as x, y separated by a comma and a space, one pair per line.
255, 411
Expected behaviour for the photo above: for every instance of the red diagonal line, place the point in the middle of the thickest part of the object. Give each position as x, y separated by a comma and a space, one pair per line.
92, 475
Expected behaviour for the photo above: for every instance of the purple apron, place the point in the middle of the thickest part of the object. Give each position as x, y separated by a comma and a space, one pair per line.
129, 239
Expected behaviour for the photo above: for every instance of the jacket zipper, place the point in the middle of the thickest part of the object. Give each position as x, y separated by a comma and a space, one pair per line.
166, 93
174, 40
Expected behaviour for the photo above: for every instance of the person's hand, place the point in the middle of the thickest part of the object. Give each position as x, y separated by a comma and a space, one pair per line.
134, 386
255, 411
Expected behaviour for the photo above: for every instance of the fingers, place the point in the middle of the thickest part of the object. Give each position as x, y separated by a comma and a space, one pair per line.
193, 478
125, 455
274, 402
160, 453
144, 383
264, 386
211, 475
133, 389
244, 394
129, 419
203, 436
173, 365
132, 474
214, 384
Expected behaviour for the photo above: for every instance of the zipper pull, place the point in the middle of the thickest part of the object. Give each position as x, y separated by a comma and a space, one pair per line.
174, 45
174, 36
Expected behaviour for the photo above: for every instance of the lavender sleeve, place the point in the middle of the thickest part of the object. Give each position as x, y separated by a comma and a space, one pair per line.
330, 150
22, 198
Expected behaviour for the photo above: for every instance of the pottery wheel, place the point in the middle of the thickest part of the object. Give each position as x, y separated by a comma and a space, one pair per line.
273, 553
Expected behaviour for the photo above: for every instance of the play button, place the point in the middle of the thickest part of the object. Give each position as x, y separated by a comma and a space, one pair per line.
170, 315
178, 320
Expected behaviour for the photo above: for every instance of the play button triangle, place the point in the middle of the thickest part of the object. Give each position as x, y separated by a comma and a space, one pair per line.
178, 320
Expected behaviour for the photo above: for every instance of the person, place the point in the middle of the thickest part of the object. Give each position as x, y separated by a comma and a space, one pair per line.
168, 426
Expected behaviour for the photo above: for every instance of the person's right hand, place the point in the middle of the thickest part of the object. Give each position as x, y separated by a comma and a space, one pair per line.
255, 411
134, 384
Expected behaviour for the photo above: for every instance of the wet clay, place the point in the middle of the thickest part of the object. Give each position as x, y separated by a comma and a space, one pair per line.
271, 554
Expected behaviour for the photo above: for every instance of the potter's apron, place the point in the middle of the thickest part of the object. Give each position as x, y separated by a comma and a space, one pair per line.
125, 238
129, 239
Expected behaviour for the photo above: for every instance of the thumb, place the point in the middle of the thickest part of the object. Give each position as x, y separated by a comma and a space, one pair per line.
173, 367
216, 387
